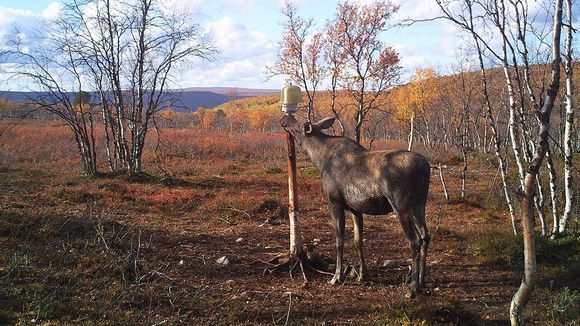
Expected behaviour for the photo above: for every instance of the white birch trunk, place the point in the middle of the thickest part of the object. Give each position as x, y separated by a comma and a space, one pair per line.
553, 190
412, 132
568, 179
443, 182
513, 132
539, 204
463, 172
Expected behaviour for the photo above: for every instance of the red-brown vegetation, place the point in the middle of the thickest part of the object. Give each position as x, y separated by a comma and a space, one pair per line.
143, 250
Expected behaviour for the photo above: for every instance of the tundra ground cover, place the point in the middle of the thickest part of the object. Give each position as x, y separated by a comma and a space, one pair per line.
113, 250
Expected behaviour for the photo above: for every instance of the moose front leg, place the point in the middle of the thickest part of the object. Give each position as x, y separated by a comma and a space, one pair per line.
358, 243
337, 213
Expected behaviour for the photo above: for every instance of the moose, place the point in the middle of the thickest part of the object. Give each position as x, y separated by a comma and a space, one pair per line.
360, 181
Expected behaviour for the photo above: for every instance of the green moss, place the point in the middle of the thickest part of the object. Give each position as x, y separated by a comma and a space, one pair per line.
310, 173
273, 170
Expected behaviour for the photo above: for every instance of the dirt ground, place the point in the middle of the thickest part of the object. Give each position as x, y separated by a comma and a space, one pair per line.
112, 250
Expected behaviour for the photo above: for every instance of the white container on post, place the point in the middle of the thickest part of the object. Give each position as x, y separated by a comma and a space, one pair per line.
290, 96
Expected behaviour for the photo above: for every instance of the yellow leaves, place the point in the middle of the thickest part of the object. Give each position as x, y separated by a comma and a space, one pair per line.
419, 96
168, 114
206, 118
255, 114
82, 108
261, 119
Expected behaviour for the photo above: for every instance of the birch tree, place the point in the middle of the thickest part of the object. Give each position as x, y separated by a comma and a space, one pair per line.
466, 20
124, 51
55, 72
299, 55
568, 179
503, 18
523, 294
335, 57
371, 67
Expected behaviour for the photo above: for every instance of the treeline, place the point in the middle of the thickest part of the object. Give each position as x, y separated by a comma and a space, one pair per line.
446, 111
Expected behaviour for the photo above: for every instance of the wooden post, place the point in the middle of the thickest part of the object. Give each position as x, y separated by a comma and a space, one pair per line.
295, 230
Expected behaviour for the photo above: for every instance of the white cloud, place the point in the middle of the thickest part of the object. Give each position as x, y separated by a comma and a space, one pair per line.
183, 5
244, 53
415, 9
239, 73
244, 6
52, 11
12, 19
411, 62
235, 41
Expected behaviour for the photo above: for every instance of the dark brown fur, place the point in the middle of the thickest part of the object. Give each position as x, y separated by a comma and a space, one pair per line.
369, 182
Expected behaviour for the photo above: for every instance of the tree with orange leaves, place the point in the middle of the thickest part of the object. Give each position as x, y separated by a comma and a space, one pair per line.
415, 99
371, 67
299, 55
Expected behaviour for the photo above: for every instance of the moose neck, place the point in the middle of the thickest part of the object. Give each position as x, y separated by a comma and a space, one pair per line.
317, 148
321, 147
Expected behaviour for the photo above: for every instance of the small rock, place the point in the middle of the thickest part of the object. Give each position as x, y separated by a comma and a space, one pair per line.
316, 241
181, 262
224, 261
239, 240
436, 289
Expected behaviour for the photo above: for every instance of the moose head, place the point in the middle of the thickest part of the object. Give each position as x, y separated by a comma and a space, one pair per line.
306, 130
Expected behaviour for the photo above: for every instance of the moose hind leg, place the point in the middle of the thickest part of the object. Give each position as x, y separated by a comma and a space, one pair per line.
358, 243
337, 214
423, 261
412, 235
425, 238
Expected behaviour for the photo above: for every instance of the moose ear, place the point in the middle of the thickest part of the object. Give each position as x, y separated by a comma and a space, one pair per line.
308, 128
325, 123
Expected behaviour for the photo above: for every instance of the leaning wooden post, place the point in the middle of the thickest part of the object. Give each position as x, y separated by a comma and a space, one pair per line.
290, 97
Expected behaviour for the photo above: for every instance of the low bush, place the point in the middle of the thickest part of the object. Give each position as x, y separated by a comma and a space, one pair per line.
501, 248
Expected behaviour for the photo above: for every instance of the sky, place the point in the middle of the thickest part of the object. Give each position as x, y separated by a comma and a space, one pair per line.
247, 32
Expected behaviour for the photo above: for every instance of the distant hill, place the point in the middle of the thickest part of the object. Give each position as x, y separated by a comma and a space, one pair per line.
240, 92
186, 100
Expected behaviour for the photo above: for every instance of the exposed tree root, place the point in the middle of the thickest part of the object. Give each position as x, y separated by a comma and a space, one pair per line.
309, 259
